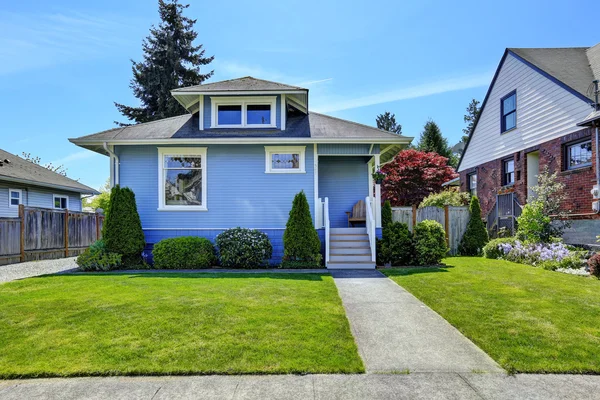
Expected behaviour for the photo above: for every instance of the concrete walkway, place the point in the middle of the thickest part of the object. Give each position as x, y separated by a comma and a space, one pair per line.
395, 332
330, 387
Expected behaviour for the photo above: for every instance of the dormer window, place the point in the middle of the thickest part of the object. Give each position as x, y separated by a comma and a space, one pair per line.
243, 112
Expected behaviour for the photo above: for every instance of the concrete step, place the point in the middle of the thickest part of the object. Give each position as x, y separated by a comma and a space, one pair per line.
349, 250
346, 237
354, 265
349, 258
349, 230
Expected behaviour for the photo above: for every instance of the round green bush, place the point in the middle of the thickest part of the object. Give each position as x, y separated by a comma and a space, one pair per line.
429, 242
96, 258
186, 252
243, 248
396, 245
492, 248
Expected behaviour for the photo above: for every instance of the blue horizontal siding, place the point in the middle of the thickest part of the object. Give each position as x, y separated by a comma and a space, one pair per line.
208, 112
239, 192
346, 149
344, 180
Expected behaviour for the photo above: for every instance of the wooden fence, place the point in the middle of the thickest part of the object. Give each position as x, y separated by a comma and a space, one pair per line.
43, 233
453, 219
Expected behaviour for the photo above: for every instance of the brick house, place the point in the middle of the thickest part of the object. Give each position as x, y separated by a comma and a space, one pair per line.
541, 111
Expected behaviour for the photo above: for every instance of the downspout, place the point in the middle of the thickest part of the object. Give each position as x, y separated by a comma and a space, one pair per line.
114, 159
597, 156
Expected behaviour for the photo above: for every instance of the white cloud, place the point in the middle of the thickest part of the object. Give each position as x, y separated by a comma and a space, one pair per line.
77, 156
311, 83
427, 89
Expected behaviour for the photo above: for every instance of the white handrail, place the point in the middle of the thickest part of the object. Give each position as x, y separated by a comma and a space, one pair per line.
326, 221
319, 214
370, 226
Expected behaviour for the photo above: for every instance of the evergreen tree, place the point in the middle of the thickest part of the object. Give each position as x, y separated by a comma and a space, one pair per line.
431, 140
122, 232
470, 118
301, 243
386, 214
170, 61
387, 122
476, 236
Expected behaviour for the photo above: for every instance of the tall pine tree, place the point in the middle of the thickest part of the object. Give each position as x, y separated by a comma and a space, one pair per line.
470, 118
387, 122
431, 140
170, 61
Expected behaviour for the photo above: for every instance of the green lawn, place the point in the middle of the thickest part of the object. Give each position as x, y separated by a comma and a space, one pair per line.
174, 324
525, 318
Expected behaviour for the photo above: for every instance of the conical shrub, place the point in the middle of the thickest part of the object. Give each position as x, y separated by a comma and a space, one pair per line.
386, 214
301, 244
476, 236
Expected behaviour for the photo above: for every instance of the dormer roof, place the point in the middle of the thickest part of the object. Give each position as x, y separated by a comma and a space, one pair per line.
245, 84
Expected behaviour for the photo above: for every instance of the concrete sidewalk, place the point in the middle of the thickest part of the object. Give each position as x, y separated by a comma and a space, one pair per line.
330, 387
395, 332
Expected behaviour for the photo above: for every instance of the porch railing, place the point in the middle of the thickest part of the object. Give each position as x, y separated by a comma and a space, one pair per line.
326, 222
370, 222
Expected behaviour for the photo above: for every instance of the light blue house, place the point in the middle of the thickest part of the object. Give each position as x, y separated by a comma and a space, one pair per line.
245, 148
25, 183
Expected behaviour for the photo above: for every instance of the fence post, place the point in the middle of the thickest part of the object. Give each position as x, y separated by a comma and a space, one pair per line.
97, 226
66, 233
447, 225
22, 239
414, 215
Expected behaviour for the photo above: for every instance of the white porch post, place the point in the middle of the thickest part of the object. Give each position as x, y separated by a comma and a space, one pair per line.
316, 184
377, 207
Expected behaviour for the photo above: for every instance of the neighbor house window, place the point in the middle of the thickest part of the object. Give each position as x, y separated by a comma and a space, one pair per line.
508, 171
508, 106
240, 112
182, 179
15, 197
473, 184
284, 159
578, 155
61, 202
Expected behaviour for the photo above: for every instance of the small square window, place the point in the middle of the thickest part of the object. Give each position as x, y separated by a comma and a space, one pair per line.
508, 110
284, 159
15, 197
578, 155
508, 171
258, 114
61, 202
230, 115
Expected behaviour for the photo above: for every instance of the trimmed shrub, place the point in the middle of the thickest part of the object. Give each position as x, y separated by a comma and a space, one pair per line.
184, 252
476, 236
122, 230
534, 225
243, 248
396, 245
386, 214
429, 241
446, 198
594, 265
301, 243
96, 258
493, 248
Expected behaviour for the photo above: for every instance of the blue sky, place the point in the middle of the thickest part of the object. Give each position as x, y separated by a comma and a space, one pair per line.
63, 63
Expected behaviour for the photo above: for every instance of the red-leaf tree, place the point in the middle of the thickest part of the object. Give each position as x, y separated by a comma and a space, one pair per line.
412, 175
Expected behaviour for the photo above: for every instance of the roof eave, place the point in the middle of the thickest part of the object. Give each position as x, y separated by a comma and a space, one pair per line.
233, 92
49, 185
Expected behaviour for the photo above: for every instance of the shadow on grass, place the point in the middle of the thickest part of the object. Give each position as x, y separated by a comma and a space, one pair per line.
308, 276
405, 271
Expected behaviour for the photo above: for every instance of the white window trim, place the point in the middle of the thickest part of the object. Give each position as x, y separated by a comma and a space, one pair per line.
59, 196
20, 191
243, 102
269, 150
180, 151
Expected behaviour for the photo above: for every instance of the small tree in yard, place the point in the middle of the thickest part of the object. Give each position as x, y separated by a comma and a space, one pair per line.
476, 236
122, 232
412, 175
301, 244
386, 214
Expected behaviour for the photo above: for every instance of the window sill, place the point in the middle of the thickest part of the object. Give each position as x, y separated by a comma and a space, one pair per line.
508, 130
243, 126
182, 208
576, 170
285, 172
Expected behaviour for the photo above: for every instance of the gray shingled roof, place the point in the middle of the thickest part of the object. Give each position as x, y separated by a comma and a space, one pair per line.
569, 65
314, 125
23, 171
244, 84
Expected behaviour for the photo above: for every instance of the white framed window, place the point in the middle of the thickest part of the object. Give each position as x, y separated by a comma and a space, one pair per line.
473, 184
60, 202
182, 179
15, 197
243, 112
285, 159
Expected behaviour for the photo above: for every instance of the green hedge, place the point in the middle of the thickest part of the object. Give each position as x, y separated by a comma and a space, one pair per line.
243, 248
396, 245
96, 258
186, 252
429, 242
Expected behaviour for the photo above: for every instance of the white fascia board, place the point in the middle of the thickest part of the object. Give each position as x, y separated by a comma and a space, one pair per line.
236, 93
243, 141
48, 185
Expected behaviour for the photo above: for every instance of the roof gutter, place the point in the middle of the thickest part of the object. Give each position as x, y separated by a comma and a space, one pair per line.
49, 185
114, 164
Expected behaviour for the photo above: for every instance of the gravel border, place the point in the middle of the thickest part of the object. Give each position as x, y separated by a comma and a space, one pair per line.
28, 269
